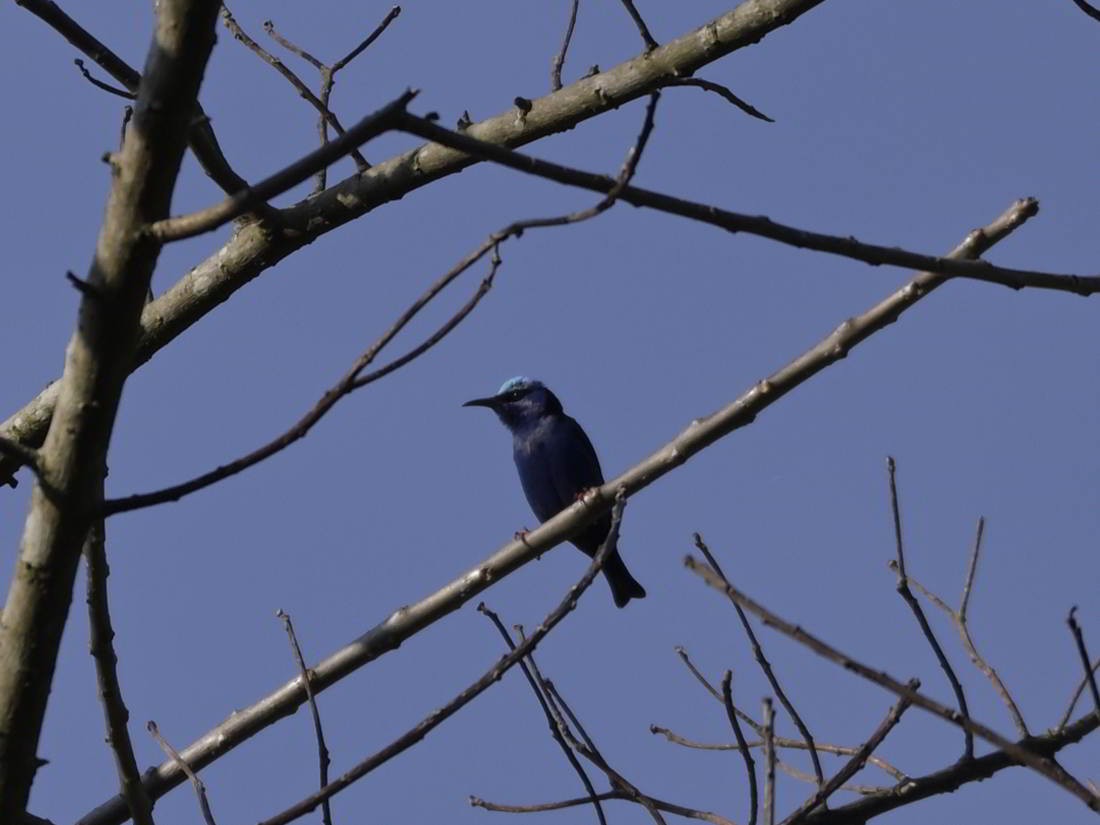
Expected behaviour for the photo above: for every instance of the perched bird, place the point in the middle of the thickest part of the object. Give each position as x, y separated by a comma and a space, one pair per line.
556, 464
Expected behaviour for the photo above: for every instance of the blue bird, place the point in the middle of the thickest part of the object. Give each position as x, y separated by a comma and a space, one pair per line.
556, 464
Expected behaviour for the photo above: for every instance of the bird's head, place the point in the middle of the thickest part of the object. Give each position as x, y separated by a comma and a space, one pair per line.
520, 401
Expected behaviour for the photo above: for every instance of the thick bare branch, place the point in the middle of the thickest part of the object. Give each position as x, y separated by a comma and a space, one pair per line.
404, 623
96, 366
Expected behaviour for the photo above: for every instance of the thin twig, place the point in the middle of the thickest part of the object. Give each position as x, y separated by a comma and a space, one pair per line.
856, 763
550, 720
301, 88
643, 30
661, 805
746, 754
323, 759
559, 59
1077, 694
1047, 768
789, 744
959, 618
1079, 641
245, 200
196, 783
711, 689
722, 91
768, 715
918, 611
491, 676
101, 642
765, 666
99, 84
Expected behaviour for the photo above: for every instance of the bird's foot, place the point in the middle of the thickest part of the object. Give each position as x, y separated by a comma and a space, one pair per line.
587, 494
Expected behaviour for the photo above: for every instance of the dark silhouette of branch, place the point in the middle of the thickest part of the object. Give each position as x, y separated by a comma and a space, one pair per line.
101, 643
354, 379
558, 62
402, 624
328, 77
858, 760
661, 805
491, 676
918, 612
1079, 642
550, 720
765, 666
1047, 768
959, 617
721, 91
1085, 682
846, 246
1091, 11
196, 783
246, 200
643, 29
304, 674
99, 84
742, 744
299, 86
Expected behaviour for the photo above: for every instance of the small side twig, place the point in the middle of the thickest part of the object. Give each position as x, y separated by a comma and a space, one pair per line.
765, 666
856, 763
550, 717
643, 29
1077, 694
659, 804
959, 618
196, 783
101, 642
304, 674
558, 62
918, 611
1079, 641
768, 715
742, 744
99, 84
721, 91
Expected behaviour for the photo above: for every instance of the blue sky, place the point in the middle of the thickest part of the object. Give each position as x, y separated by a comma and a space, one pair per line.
902, 124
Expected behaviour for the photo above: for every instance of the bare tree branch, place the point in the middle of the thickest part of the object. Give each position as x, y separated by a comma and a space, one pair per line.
202, 140
765, 666
721, 91
742, 745
1085, 682
110, 691
559, 59
196, 783
918, 612
856, 763
97, 363
643, 29
246, 200
1079, 641
768, 717
405, 622
959, 617
1091, 11
490, 677
661, 805
301, 88
1045, 767
555, 732
304, 674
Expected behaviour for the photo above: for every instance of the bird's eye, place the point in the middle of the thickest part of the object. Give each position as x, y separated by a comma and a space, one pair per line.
514, 395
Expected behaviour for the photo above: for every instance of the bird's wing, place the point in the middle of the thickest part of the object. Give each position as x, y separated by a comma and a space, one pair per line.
574, 466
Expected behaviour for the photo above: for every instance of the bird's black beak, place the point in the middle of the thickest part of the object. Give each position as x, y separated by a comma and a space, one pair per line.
491, 403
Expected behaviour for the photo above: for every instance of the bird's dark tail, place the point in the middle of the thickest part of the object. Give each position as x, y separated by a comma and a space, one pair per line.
624, 586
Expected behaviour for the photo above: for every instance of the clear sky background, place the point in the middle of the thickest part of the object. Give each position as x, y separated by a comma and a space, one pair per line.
901, 123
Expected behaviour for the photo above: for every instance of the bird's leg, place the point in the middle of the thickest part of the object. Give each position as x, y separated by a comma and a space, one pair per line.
587, 494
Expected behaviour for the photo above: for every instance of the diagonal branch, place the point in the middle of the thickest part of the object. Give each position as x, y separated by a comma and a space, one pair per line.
918, 612
404, 623
1091, 11
1082, 651
1041, 765
742, 744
